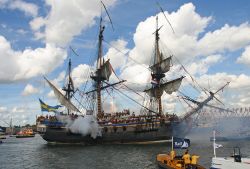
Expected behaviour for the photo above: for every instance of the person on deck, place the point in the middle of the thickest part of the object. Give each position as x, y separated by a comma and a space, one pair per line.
194, 161
186, 158
172, 154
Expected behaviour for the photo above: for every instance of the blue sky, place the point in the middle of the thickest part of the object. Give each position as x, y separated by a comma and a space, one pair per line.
212, 41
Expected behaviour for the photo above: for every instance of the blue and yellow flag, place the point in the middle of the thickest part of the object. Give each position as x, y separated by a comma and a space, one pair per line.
45, 107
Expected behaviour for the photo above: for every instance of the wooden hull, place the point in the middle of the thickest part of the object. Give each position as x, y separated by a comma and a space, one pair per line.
63, 135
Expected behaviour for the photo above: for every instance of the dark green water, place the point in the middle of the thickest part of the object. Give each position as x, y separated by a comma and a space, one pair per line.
35, 153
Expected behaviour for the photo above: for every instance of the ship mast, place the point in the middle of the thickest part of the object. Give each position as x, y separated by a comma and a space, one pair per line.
69, 88
98, 78
99, 64
158, 69
157, 75
103, 69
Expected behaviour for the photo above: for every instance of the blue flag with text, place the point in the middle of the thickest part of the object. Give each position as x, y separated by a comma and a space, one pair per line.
180, 143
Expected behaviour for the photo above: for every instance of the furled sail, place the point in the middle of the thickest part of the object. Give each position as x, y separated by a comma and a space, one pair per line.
161, 67
106, 70
168, 87
62, 99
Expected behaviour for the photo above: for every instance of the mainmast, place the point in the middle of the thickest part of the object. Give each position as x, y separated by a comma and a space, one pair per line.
99, 76
99, 64
157, 75
103, 69
158, 69
69, 88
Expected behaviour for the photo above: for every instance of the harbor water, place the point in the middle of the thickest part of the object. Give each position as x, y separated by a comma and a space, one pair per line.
35, 153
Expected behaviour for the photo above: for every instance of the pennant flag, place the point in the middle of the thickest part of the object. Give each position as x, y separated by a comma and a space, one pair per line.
45, 107
180, 143
217, 145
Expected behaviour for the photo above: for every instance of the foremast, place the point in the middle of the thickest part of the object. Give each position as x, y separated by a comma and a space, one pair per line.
69, 88
158, 69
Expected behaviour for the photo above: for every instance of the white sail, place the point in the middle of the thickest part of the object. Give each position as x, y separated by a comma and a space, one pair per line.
161, 67
172, 86
61, 98
154, 92
106, 70
168, 87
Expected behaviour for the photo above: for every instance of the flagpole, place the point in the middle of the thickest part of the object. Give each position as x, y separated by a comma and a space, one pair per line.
214, 144
172, 143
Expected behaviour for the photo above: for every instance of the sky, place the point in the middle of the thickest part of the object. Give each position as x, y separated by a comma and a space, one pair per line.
211, 40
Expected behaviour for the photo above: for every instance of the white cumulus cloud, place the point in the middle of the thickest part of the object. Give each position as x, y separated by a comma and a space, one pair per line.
29, 90
80, 74
67, 19
23, 65
29, 9
245, 57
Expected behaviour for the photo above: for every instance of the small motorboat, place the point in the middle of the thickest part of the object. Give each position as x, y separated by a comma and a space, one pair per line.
171, 161
232, 162
2, 137
25, 133
165, 161
235, 161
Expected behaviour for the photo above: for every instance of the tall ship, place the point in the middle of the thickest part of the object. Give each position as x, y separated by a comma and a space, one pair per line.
95, 126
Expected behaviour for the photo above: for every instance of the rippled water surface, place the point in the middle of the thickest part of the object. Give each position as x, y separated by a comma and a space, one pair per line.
35, 153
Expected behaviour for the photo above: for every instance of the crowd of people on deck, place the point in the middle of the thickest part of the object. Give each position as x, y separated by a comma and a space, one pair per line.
50, 118
124, 117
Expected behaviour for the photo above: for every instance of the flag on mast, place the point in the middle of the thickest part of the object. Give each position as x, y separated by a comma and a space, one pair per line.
48, 108
180, 143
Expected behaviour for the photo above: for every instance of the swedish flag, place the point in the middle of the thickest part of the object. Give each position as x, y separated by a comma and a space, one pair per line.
45, 107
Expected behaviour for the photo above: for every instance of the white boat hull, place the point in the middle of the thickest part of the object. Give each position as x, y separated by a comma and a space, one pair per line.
229, 163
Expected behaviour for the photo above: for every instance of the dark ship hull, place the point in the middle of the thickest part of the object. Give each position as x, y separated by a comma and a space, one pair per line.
25, 136
110, 135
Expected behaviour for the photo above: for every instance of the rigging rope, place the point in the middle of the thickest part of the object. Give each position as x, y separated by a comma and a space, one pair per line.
133, 100
125, 54
122, 83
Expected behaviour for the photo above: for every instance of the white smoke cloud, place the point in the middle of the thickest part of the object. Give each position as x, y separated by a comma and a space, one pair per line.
85, 125
82, 125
